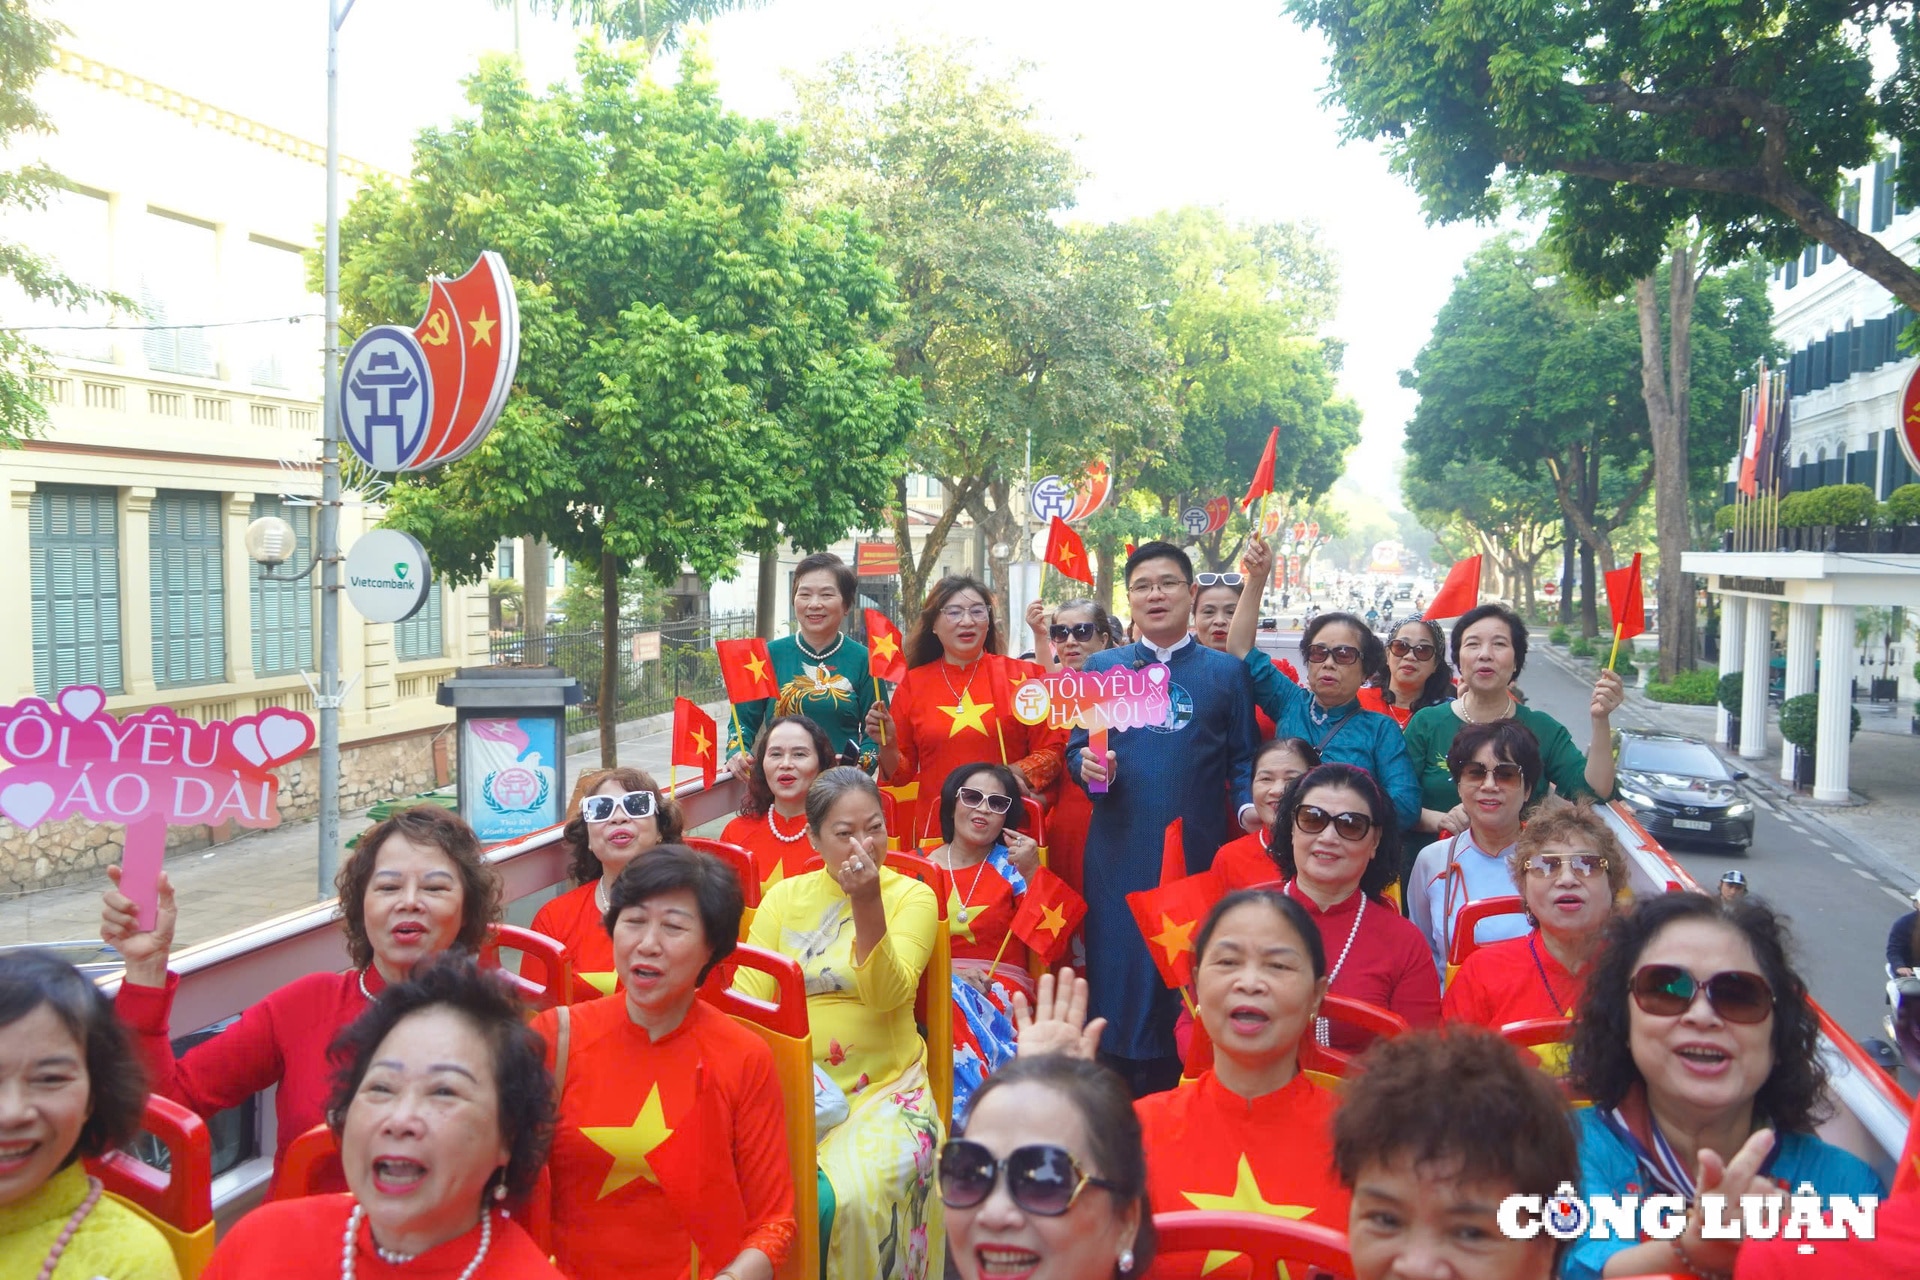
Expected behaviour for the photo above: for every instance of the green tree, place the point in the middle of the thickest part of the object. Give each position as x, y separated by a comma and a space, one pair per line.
659, 25
26, 49
1478, 507
1016, 329
692, 344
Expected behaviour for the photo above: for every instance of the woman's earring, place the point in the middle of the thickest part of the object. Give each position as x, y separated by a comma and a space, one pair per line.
1126, 1262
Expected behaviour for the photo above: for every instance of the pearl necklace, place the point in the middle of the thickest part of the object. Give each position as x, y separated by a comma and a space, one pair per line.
363, 985
782, 836
398, 1259
600, 895
1321, 1026
71, 1229
800, 643
1460, 709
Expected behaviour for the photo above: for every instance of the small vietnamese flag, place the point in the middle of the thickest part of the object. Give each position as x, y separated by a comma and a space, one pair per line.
1170, 915
1262, 471
1066, 552
1459, 593
886, 648
695, 738
1048, 915
1627, 600
747, 668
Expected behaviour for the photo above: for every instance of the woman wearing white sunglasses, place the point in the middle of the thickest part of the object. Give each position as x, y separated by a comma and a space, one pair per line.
621, 814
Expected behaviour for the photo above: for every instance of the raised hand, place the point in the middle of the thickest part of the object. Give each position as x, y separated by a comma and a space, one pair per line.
880, 724
1057, 1021
1257, 563
1023, 851
859, 874
145, 952
1609, 691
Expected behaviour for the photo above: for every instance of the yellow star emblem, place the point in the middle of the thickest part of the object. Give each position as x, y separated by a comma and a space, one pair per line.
774, 877
1053, 920
884, 647
1174, 939
630, 1146
482, 329
604, 983
1066, 555
968, 714
701, 743
957, 924
1246, 1198
756, 667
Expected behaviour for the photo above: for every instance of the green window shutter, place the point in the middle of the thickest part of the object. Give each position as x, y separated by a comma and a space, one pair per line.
74, 567
283, 611
187, 590
424, 634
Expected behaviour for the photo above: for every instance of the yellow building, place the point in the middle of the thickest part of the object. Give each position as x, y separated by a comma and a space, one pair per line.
121, 556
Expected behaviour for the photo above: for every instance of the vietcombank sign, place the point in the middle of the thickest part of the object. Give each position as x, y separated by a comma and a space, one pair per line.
388, 576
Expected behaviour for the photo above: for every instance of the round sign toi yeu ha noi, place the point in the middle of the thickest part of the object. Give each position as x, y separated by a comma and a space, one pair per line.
388, 576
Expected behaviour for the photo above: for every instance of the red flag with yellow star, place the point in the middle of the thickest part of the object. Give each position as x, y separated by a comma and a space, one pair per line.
1067, 553
1048, 915
747, 668
695, 739
886, 648
1170, 915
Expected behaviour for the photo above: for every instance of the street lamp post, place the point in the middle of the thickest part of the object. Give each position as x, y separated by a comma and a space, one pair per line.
327, 700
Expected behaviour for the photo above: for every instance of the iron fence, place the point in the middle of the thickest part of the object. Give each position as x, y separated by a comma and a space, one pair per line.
686, 667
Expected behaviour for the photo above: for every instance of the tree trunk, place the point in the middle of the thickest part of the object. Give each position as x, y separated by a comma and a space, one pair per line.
609, 700
1665, 380
1568, 542
767, 589
535, 556
1589, 594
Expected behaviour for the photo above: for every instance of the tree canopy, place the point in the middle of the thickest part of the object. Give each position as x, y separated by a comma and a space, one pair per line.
697, 365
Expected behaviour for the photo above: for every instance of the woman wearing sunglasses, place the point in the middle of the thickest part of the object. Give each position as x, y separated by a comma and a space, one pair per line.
1215, 597
1080, 629
416, 885
1047, 1179
1341, 854
622, 814
1493, 767
1340, 652
671, 1133
956, 705
1069, 635
1417, 674
787, 756
862, 935
1700, 1051
1489, 651
1572, 874
987, 858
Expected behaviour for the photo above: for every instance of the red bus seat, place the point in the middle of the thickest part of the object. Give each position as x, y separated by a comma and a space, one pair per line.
1467, 924
179, 1203
742, 863
1270, 1242
556, 985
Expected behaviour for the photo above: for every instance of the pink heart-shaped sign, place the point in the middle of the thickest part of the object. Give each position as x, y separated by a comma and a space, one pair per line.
82, 700
246, 740
26, 802
283, 737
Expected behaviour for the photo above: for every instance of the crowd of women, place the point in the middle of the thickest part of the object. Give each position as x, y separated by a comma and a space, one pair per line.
1327, 1065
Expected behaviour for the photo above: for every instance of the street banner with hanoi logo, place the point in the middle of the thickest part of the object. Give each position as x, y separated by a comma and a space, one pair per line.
72, 758
411, 399
1113, 700
514, 759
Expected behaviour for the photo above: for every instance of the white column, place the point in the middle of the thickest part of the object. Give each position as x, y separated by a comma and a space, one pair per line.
238, 512
16, 583
136, 589
1832, 744
1802, 628
1733, 643
1753, 693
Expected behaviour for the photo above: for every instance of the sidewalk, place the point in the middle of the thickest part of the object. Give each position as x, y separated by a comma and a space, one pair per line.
263, 874
1883, 772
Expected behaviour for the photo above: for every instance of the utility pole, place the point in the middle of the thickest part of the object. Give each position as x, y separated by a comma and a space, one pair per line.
327, 701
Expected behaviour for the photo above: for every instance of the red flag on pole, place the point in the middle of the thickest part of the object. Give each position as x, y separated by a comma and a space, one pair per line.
1756, 441
1048, 915
1170, 916
1262, 471
1066, 552
747, 668
695, 739
1459, 593
1626, 598
886, 648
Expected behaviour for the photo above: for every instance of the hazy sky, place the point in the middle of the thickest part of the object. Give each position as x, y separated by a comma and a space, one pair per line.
1220, 107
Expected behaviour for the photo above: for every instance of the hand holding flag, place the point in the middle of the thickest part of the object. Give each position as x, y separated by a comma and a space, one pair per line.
886, 648
1459, 594
1066, 552
695, 739
1049, 914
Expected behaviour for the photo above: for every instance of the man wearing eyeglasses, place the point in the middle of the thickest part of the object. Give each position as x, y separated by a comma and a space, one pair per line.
1198, 767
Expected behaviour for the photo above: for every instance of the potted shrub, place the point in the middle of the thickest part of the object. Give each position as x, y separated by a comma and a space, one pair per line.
1729, 695
1795, 518
1902, 512
1840, 516
1800, 726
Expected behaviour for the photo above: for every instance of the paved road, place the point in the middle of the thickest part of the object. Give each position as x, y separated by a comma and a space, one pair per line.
1839, 907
